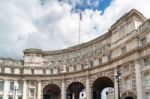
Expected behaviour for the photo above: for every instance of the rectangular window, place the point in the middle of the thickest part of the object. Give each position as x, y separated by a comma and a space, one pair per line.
91, 64
123, 49
148, 95
1, 85
127, 84
74, 68
32, 93
82, 66
11, 86
44, 71
20, 83
10, 97
32, 71
146, 61
99, 52
109, 57
126, 69
122, 31
147, 79
20, 97
100, 61
143, 41
75, 59
2, 69
67, 69
1, 97
12, 70
51, 70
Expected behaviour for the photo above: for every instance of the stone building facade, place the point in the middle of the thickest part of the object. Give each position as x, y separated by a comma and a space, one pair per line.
88, 67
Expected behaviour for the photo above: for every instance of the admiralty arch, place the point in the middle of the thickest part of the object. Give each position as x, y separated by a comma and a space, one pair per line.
89, 67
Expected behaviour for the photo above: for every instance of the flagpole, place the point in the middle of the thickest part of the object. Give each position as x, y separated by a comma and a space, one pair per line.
79, 25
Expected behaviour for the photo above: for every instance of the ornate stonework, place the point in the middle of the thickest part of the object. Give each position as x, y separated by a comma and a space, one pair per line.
126, 44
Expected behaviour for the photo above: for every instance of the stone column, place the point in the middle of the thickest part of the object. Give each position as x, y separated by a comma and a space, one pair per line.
88, 89
24, 89
6, 86
39, 90
63, 90
115, 84
138, 79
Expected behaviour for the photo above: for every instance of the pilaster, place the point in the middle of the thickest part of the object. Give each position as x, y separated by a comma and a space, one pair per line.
88, 88
24, 89
138, 80
15, 88
115, 83
6, 85
63, 90
39, 90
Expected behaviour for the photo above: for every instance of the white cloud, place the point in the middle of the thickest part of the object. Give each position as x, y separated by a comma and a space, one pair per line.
52, 25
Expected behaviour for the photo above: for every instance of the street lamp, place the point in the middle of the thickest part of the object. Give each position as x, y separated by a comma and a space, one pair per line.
118, 80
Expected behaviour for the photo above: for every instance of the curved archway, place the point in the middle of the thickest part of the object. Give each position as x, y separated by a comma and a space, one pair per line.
74, 89
128, 95
51, 91
100, 84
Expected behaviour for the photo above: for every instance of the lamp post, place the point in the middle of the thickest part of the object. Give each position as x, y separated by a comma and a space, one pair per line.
118, 80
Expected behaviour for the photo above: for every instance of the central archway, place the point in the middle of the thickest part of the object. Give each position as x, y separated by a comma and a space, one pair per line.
129, 97
74, 89
100, 84
51, 91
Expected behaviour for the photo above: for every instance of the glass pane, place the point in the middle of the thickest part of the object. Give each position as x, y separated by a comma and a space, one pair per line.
11, 86
1, 85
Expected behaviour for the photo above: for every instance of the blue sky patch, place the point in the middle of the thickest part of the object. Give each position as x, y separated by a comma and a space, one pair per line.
103, 5
92, 4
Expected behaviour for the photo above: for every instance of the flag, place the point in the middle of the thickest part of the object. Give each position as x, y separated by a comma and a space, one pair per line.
80, 15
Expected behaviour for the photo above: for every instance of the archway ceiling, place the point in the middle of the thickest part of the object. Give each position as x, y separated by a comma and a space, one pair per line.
102, 83
75, 87
52, 88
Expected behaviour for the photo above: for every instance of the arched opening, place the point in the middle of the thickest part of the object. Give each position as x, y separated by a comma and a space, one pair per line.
107, 93
99, 85
74, 89
51, 91
129, 97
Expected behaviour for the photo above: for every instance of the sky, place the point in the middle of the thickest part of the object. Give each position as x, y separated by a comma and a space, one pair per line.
54, 24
